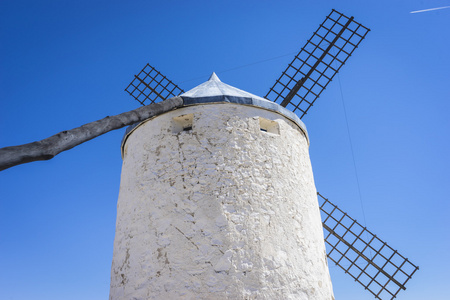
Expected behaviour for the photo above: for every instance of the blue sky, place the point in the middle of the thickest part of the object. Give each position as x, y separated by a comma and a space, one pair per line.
66, 63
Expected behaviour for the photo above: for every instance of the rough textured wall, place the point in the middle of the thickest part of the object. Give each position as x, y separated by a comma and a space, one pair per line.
222, 211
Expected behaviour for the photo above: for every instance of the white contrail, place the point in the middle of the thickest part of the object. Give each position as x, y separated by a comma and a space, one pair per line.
424, 10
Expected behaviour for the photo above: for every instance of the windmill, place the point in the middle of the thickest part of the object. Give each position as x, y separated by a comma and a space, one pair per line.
361, 254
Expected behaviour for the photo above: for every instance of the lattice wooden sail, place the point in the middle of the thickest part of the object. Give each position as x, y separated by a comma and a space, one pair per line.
317, 63
150, 86
361, 254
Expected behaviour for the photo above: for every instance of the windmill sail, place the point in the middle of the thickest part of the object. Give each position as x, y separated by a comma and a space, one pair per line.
317, 63
150, 86
361, 254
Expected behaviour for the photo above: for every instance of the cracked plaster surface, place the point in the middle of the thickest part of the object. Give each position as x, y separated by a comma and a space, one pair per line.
221, 211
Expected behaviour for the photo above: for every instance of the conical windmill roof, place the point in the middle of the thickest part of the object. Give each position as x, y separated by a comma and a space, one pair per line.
216, 88
215, 91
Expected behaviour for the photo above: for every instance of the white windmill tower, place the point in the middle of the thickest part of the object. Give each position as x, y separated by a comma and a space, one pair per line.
217, 197
217, 200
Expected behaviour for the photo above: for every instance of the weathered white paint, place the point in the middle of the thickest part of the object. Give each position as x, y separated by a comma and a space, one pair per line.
222, 211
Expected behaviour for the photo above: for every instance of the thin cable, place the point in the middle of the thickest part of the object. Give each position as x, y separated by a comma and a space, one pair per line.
353, 154
242, 66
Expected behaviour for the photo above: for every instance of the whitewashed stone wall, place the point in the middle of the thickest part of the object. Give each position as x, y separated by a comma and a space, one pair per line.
223, 211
